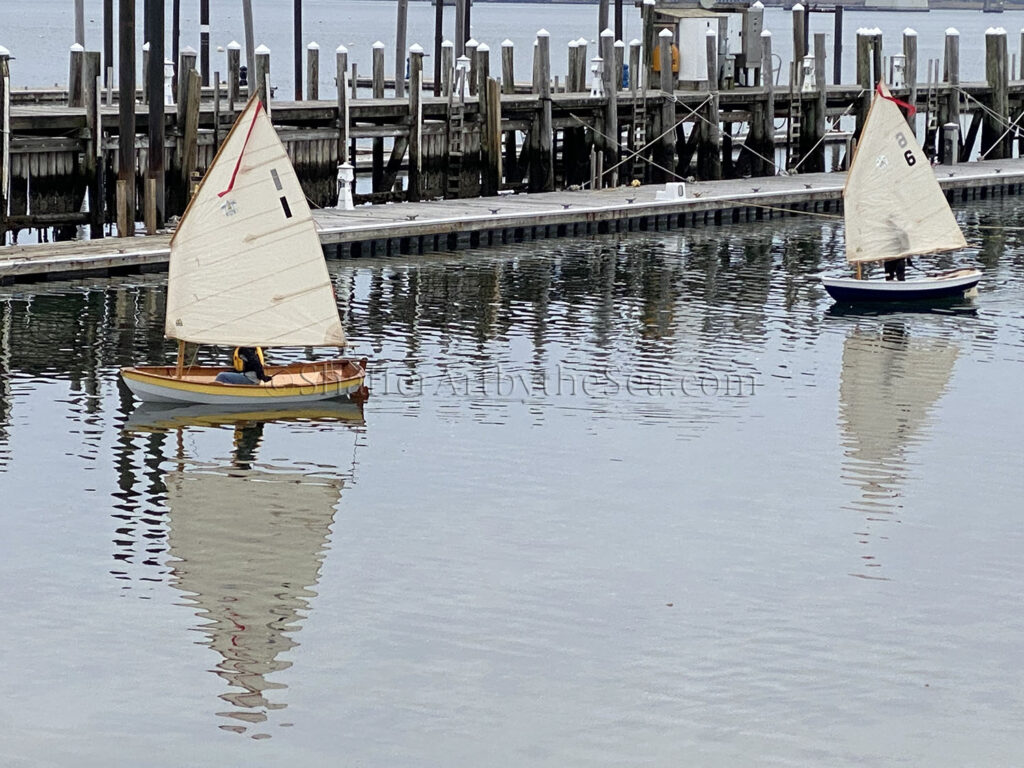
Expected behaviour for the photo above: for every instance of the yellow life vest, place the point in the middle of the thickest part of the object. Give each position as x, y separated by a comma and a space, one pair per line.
239, 364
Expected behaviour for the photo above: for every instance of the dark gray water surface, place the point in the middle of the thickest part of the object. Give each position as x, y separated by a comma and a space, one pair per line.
625, 501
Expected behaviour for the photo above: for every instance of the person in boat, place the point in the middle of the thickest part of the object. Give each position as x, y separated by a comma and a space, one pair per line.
248, 364
896, 269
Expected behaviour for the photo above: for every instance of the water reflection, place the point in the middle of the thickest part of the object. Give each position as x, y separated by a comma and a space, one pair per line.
246, 540
5, 383
888, 385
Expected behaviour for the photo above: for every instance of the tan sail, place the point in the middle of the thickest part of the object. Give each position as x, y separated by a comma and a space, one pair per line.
246, 266
893, 204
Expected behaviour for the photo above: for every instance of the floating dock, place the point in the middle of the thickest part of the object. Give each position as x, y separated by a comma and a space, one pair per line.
446, 225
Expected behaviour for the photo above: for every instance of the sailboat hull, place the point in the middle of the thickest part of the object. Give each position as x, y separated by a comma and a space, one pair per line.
305, 382
948, 285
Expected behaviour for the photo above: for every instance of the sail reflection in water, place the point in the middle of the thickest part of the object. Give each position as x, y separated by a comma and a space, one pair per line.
246, 543
888, 385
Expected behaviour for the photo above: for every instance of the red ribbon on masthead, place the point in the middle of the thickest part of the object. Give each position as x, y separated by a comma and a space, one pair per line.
911, 109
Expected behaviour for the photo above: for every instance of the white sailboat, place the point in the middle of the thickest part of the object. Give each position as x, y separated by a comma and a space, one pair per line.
247, 270
894, 209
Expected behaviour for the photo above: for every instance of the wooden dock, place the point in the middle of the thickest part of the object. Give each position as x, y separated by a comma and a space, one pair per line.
445, 225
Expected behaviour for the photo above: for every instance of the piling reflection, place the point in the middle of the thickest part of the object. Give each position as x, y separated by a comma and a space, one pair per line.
889, 384
245, 541
5, 383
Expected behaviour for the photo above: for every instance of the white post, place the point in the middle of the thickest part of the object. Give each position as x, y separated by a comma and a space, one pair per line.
346, 174
168, 82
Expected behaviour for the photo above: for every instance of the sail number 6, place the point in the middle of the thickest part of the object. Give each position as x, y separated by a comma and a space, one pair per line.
901, 140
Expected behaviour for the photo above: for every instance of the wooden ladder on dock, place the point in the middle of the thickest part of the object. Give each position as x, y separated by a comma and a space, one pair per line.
639, 137
456, 131
795, 117
931, 111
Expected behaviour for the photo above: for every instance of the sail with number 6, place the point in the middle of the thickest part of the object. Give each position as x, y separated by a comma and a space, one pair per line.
246, 265
893, 206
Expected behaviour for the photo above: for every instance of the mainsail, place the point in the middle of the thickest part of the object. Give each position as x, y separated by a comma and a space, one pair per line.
246, 266
893, 204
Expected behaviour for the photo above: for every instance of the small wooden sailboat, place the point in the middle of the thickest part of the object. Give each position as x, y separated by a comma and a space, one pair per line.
894, 208
247, 270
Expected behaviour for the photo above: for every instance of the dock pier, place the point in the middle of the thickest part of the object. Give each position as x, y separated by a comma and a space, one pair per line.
376, 231
469, 136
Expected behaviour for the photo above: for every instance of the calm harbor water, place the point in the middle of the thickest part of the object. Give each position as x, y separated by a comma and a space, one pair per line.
640, 500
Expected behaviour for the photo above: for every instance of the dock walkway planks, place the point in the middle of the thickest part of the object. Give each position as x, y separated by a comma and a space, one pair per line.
452, 224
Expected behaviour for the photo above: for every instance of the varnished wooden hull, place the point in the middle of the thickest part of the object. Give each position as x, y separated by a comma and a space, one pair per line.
291, 384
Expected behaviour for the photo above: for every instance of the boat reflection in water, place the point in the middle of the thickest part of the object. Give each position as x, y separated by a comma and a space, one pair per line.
246, 543
888, 386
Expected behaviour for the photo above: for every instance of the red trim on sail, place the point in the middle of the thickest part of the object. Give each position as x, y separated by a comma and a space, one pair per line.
238, 164
911, 109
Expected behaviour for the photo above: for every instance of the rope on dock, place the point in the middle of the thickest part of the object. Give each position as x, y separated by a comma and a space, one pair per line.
999, 119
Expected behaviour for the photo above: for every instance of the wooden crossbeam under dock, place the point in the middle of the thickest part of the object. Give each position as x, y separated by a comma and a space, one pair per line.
443, 225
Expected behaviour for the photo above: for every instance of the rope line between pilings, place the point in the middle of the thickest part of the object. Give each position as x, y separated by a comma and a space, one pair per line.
635, 153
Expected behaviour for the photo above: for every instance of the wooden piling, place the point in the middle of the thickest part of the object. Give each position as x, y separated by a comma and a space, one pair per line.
709, 154
996, 137
176, 39
634, 64
471, 48
812, 128
542, 162
258, 77
649, 41
186, 63
447, 66
619, 56
126, 121
250, 43
400, 34
76, 61
297, 47
865, 37
837, 45
508, 86
416, 126
5, 140
762, 118
313, 71
341, 78
950, 111
461, 28
216, 112
490, 128
190, 133
234, 60
80, 22
664, 157
155, 197
378, 93
145, 71
602, 18
611, 108
108, 42
799, 41
910, 55
438, 42
204, 40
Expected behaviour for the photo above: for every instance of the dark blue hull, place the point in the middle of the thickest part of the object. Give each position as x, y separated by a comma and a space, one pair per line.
943, 287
